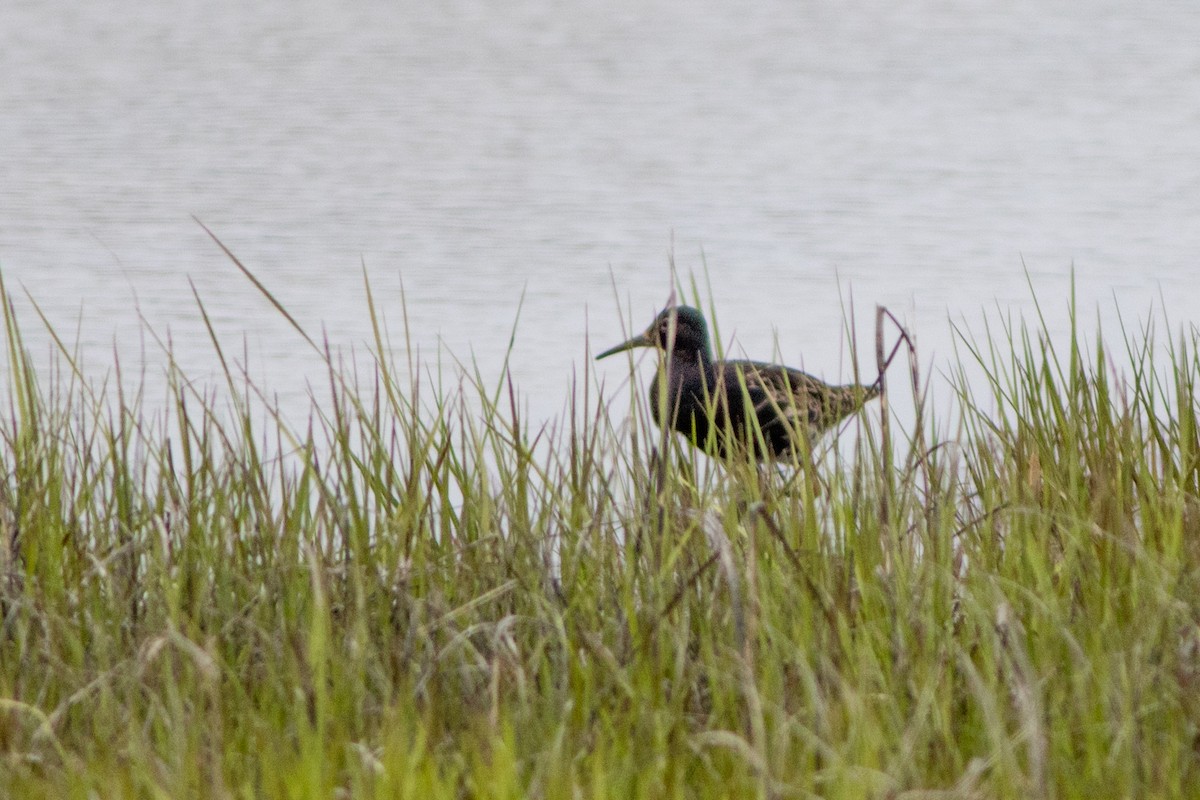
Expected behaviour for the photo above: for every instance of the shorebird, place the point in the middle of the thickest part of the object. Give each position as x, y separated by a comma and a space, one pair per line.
723, 407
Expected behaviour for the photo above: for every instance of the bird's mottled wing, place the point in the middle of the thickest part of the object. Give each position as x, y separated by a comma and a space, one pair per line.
797, 399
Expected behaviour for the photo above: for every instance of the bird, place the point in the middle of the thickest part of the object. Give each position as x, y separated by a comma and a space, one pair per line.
711, 402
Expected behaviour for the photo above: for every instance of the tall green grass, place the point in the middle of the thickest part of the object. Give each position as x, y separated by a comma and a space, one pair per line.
419, 593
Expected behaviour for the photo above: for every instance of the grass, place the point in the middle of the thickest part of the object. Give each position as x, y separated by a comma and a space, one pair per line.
420, 594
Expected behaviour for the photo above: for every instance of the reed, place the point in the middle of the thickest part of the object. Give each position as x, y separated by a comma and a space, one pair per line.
420, 593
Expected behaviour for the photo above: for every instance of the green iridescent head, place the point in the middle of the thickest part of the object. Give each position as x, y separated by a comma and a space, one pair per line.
680, 329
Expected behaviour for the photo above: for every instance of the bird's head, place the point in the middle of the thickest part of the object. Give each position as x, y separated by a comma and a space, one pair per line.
680, 330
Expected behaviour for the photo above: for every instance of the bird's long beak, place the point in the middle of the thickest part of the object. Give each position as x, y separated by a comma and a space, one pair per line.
644, 339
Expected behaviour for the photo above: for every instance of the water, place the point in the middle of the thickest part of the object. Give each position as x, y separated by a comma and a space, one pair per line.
929, 156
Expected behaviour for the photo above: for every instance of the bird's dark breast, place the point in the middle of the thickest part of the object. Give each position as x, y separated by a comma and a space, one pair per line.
712, 407
691, 407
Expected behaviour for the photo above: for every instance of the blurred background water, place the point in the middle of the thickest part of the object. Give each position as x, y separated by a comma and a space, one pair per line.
935, 157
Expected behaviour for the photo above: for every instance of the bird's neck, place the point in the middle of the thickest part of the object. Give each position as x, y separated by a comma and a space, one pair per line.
691, 357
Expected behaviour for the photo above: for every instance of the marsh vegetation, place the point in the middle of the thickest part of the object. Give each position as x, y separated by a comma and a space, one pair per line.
420, 593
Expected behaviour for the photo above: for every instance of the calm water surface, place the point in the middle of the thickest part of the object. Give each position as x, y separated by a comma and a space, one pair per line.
929, 156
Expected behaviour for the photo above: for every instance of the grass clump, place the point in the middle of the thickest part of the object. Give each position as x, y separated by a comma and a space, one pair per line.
416, 594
